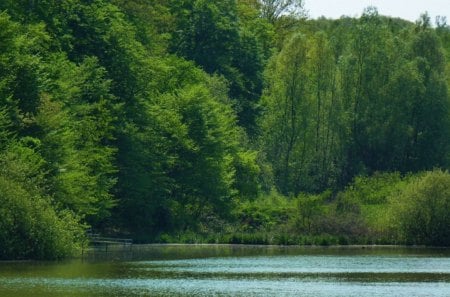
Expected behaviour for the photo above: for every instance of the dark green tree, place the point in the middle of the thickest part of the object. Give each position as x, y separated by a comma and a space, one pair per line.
210, 34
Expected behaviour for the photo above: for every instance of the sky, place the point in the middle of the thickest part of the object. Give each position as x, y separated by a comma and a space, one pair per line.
405, 9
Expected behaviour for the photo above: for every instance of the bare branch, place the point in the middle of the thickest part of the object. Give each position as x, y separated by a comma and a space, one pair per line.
273, 9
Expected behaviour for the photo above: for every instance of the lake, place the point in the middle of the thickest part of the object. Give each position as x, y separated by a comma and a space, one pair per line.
227, 270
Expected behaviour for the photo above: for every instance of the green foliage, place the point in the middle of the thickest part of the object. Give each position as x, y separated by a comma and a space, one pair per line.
247, 173
310, 207
264, 213
422, 209
185, 118
375, 189
19, 58
209, 140
6, 133
30, 226
211, 34
182, 167
76, 135
353, 97
300, 124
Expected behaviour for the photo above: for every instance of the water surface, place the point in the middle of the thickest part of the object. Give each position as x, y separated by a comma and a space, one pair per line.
179, 270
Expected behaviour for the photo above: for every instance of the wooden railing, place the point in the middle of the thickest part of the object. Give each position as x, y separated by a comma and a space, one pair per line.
93, 240
100, 243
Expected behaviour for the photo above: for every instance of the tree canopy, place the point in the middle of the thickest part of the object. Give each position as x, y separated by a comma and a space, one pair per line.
144, 118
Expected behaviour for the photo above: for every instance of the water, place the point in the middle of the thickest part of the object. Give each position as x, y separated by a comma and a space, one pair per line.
179, 270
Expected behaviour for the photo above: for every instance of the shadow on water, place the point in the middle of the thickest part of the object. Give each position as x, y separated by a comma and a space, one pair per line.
235, 270
183, 251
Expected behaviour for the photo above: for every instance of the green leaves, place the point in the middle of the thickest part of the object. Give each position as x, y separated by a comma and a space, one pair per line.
31, 228
144, 117
301, 119
354, 101
31, 225
422, 209
182, 163
211, 35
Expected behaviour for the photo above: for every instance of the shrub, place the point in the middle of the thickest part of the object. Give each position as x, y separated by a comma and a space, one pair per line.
423, 210
374, 189
30, 228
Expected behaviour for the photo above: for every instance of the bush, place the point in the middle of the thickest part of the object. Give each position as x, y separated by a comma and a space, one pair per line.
423, 210
374, 189
31, 229
309, 209
264, 213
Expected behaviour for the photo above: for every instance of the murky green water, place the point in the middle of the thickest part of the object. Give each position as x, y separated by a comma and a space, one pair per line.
236, 271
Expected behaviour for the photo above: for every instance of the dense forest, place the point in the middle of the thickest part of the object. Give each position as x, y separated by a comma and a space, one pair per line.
232, 121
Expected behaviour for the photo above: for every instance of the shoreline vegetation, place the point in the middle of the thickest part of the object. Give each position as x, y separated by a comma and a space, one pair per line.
144, 246
235, 121
285, 240
381, 210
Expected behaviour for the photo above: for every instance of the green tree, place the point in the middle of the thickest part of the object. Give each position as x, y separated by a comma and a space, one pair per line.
369, 63
429, 119
74, 123
327, 109
302, 120
285, 123
210, 34
32, 226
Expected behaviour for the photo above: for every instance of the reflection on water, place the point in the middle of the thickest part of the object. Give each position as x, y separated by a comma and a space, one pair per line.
178, 270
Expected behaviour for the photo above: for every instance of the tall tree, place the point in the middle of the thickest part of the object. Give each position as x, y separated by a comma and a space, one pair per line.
210, 34
430, 117
285, 123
